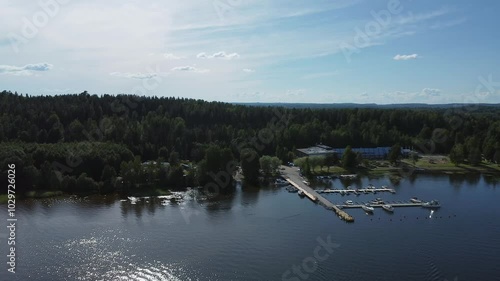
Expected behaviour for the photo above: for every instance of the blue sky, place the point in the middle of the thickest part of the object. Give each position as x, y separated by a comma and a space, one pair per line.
254, 50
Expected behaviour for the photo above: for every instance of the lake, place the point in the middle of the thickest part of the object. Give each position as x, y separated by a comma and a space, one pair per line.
263, 234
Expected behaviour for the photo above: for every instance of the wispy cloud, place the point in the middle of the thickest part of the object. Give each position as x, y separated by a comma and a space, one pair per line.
405, 57
320, 75
248, 70
446, 24
170, 56
218, 55
428, 92
416, 18
189, 68
137, 75
28, 69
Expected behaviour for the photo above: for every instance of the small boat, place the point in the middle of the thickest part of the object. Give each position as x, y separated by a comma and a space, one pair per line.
280, 182
415, 200
291, 189
434, 204
133, 200
388, 208
367, 208
356, 192
301, 193
348, 202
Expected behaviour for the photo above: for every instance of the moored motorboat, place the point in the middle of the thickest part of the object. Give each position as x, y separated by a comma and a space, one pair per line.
434, 204
367, 208
301, 193
415, 200
281, 182
388, 208
348, 202
377, 201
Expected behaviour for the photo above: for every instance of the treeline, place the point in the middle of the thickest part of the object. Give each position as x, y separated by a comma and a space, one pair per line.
42, 129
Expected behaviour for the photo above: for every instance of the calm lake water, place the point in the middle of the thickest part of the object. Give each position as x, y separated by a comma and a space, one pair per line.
263, 234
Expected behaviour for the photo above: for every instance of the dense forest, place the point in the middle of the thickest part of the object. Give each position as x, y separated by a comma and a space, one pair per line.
85, 142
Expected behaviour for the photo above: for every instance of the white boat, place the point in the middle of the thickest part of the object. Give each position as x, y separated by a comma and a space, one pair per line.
367, 208
415, 200
348, 202
133, 200
434, 204
301, 193
388, 208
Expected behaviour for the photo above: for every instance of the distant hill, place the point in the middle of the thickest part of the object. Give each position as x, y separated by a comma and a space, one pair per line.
363, 105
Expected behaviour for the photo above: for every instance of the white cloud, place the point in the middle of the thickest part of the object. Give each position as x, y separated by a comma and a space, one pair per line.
28, 69
295, 93
428, 92
248, 70
189, 68
218, 55
405, 57
137, 75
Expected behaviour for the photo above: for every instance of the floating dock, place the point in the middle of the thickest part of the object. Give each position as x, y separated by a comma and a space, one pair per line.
394, 204
291, 175
362, 190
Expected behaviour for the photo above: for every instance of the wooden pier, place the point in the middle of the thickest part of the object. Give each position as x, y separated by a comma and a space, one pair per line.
292, 176
310, 195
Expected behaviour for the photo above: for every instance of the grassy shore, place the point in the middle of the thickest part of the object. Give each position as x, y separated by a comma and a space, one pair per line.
443, 164
426, 164
43, 194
